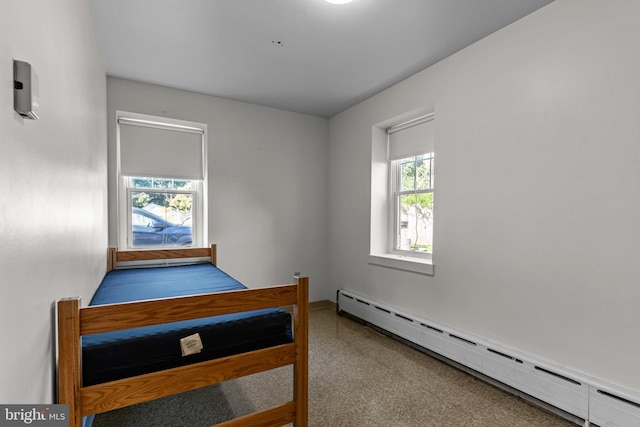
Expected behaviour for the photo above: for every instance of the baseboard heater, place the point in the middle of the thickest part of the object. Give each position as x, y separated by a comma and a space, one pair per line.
596, 403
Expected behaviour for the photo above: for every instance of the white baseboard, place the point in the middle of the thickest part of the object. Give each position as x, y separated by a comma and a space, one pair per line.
591, 401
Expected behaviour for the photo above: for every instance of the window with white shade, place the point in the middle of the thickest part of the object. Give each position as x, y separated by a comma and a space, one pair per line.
411, 165
402, 194
162, 180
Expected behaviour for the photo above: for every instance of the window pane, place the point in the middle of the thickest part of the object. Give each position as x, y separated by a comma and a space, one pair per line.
182, 184
424, 172
162, 183
161, 219
408, 174
142, 182
416, 173
415, 227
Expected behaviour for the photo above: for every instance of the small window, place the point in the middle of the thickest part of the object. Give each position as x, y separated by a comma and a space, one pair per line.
412, 183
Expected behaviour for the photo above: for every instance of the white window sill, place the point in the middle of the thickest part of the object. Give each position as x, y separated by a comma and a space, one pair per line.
401, 262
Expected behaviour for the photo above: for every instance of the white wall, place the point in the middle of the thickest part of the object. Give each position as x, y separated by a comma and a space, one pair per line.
53, 215
537, 201
267, 181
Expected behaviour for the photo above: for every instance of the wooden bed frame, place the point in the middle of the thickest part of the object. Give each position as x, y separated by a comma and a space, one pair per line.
74, 322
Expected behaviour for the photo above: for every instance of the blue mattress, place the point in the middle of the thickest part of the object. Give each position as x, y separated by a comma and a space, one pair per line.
120, 354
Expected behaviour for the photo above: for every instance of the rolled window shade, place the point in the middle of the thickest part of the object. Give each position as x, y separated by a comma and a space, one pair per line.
411, 138
160, 151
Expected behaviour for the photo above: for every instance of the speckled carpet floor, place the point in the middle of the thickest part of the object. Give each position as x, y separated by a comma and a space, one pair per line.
357, 377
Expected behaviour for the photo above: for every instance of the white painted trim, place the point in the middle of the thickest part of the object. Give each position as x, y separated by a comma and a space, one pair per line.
401, 262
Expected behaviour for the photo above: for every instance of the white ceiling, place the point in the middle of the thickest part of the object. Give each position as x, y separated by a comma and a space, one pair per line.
307, 56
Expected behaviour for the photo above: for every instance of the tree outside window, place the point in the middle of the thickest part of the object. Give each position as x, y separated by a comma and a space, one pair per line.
414, 203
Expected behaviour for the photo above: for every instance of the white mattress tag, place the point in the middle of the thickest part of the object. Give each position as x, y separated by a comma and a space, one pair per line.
191, 344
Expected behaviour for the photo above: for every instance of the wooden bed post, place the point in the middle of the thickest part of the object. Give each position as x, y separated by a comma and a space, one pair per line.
112, 259
69, 377
214, 255
301, 367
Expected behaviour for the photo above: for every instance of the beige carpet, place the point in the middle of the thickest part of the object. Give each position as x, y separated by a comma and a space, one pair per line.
357, 377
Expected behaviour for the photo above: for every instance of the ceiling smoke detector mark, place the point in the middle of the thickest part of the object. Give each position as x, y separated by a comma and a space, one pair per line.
278, 43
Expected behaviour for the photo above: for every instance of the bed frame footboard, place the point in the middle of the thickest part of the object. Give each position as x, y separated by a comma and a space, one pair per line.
74, 322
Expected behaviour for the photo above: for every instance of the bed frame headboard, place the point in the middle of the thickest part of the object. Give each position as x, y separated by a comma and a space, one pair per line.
115, 256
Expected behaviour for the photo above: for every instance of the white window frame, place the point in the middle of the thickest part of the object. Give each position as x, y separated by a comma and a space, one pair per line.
196, 194
125, 188
394, 206
382, 230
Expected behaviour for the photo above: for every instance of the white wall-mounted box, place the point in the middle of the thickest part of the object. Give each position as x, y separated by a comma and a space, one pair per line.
25, 90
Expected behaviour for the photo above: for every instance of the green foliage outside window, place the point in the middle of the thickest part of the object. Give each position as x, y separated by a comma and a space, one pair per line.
416, 175
415, 200
182, 202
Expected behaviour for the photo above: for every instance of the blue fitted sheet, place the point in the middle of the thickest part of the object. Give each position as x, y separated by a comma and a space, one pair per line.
121, 354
